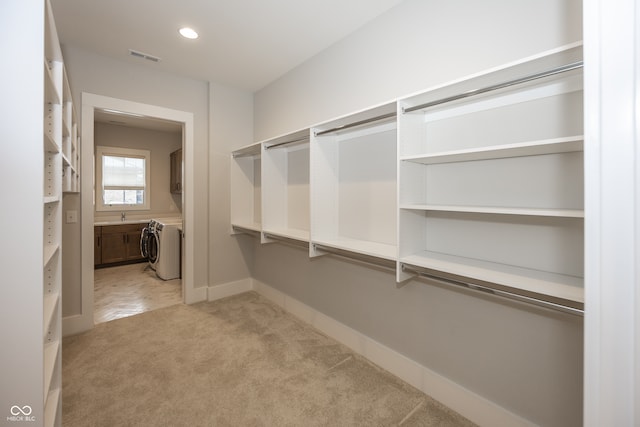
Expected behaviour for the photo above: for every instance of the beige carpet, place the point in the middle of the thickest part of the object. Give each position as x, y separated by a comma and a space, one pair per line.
240, 361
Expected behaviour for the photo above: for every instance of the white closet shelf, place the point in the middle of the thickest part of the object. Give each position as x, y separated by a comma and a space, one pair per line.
50, 357
289, 233
49, 252
557, 285
66, 127
248, 151
51, 407
561, 213
254, 226
50, 145
365, 247
530, 148
51, 199
50, 302
65, 160
51, 94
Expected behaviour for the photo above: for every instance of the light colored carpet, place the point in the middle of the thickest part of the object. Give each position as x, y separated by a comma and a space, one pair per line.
240, 361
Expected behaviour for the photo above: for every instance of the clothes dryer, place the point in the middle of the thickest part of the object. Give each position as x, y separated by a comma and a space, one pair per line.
164, 248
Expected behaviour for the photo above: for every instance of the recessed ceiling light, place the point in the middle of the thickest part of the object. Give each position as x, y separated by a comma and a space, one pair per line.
188, 33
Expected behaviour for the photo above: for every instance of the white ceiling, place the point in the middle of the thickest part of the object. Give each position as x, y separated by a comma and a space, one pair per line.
243, 43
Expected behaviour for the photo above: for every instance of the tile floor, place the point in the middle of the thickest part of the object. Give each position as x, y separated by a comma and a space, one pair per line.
131, 289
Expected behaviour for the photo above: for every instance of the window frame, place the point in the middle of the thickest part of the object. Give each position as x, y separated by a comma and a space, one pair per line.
98, 189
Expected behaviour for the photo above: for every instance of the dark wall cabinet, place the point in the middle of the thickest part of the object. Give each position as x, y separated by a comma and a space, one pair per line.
176, 172
117, 244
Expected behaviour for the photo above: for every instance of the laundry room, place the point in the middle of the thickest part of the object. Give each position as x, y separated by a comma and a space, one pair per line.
300, 212
138, 214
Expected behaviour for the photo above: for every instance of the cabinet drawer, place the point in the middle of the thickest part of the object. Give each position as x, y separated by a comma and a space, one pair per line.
124, 228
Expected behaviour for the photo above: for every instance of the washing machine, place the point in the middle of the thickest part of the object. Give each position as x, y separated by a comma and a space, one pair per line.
162, 246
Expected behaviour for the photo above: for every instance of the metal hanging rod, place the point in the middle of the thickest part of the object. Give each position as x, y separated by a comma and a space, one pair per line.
570, 307
521, 80
245, 230
381, 262
287, 240
355, 124
303, 139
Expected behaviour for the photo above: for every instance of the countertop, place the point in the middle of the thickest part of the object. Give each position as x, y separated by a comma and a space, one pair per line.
120, 222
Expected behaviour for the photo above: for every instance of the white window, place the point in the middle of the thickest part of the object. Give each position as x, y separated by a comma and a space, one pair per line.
122, 179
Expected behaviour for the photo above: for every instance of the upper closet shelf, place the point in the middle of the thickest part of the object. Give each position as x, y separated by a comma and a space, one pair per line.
251, 227
364, 247
499, 210
288, 233
291, 139
541, 282
248, 151
521, 149
50, 145
51, 94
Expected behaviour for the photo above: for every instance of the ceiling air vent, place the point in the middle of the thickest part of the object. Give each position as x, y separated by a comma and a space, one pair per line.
143, 55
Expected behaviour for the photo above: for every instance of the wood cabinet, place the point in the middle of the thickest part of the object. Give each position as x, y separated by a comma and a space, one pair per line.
97, 245
117, 244
176, 172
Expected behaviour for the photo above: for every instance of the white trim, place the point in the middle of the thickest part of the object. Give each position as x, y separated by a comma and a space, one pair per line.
90, 102
101, 151
470, 405
612, 212
72, 325
228, 289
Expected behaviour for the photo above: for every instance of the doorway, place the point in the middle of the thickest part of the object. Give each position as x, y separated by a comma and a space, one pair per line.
92, 103
138, 178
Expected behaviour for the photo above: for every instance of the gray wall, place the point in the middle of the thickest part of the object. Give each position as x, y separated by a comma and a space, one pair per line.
527, 360
92, 73
231, 127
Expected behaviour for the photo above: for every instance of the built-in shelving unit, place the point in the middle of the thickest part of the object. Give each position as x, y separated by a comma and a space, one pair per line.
478, 182
285, 187
246, 190
70, 152
60, 175
353, 184
491, 182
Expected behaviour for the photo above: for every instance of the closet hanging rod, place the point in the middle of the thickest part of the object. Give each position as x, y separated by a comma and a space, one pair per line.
287, 240
303, 139
486, 288
245, 230
474, 92
355, 124
369, 259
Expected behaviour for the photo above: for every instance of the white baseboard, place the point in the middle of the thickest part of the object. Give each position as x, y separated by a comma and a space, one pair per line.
467, 403
78, 323
228, 289
195, 295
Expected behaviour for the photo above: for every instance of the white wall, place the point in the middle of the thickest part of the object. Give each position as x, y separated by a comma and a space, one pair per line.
230, 127
161, 145
414, 46
223, 120
527, 360
99, 75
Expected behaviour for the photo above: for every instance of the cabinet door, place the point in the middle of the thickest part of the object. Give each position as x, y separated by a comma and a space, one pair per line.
176, 172
133, 244
113, 246
97, 246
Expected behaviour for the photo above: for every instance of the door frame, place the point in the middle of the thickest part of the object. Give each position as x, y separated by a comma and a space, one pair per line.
91, 102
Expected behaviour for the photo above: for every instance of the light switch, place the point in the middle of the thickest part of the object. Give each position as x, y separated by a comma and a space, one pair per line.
72, 217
